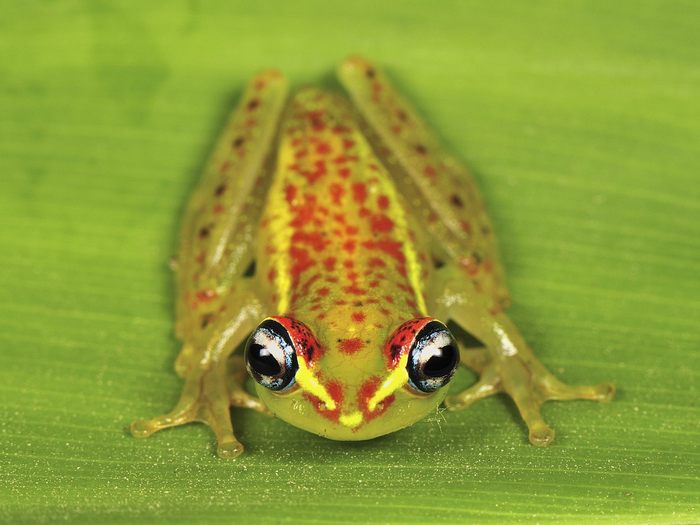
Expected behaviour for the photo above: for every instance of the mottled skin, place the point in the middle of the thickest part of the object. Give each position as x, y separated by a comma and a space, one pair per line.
362, 229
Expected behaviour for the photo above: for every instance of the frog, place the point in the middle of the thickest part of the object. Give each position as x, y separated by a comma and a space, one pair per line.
330, 245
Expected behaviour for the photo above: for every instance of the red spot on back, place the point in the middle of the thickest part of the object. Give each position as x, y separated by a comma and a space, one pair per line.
337, 191
349, 246
290, 192
383, 202
323, 148
329, 263
359, 192
381, 223
392, 248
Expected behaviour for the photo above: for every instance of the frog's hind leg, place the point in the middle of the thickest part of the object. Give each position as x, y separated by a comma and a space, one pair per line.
216, 238
434, 183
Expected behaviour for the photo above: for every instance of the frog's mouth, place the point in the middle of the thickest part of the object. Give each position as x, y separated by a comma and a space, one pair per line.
330, 400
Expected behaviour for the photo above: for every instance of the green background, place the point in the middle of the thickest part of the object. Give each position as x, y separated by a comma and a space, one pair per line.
581, 121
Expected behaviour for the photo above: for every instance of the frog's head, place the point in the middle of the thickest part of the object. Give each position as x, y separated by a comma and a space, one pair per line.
351, 385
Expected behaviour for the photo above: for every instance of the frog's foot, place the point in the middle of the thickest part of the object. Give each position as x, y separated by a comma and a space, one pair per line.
530, 384
205, 398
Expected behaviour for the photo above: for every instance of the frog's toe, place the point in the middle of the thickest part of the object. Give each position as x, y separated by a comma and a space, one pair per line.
487, 385
242, 399
541, 435
606, 392
142, 428
456, 403
229, 449
560, 391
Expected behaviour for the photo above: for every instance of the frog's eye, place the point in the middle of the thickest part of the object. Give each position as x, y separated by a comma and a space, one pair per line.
433, 358
270, 356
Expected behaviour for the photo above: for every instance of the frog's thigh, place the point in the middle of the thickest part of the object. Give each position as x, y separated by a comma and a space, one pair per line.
207, 394
451, 204
216, 243
513, 368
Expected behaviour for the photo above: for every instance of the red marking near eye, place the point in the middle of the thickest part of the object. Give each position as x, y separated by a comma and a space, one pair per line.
401, 339
218, 208
358, 317
367, 390
271, 274
429, 171
359, 192
335, 390
466, 227
350, 346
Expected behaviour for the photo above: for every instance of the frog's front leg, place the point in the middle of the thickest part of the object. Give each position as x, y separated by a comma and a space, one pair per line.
511, 366
215, 381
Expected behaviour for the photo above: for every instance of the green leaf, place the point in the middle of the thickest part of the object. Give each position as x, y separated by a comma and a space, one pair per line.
582, 123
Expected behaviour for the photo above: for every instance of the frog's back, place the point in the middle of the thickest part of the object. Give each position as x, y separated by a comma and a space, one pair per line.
335, 230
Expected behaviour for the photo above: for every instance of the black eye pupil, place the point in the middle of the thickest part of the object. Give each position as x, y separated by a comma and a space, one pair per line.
262, 360
441, 364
